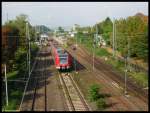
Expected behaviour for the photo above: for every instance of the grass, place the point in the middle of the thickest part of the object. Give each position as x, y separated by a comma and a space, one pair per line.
85, 81
88, 43
116, 64
12, 74
102, 52
15, 91
140, 77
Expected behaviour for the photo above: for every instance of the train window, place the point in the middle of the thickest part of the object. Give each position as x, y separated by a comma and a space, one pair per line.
63, 55
63, 60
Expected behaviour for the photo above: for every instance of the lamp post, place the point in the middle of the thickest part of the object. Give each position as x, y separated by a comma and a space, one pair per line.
94, 44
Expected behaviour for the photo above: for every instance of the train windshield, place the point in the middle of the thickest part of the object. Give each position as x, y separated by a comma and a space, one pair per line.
63, 58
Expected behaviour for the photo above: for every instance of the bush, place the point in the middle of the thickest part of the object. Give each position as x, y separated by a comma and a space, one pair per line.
20, 55
101, 104
34, 49
102, 52
20, 59
93, 92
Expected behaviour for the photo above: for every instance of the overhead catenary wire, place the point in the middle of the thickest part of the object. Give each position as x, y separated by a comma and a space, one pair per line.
16, 80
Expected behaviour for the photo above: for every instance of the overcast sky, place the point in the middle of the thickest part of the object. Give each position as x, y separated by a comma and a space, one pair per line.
54, 14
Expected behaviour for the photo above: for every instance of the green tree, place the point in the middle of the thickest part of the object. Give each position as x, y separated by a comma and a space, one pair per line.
105, 29
132, 31
60, 29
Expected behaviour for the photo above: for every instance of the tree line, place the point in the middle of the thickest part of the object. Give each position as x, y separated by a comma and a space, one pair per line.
131, 34
15, 31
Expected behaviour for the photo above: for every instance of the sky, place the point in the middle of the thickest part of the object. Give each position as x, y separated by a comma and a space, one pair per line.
66, 14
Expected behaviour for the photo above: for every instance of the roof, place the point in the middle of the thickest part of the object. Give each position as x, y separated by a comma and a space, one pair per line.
44, 35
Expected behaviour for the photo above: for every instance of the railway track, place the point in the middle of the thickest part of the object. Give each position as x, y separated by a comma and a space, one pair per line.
75, 100
36, 95
64, 80
40, 104
116, 77
106, 73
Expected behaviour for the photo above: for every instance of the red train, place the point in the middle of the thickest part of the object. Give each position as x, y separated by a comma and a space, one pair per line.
62, 59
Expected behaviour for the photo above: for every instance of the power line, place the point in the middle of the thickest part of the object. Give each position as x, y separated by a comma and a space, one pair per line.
15, 80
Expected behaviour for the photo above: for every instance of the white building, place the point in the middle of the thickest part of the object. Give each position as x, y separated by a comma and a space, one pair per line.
43, 38
85, 32
75, 26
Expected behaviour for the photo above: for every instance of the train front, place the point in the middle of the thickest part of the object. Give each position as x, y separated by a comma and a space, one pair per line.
64, 60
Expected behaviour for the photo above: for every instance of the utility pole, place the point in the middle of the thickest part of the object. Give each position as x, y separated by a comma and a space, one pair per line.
93, 52
113, 37
27, 45
126, 68
128, 53
125, 90
29, 49
76, 55
35, 34
28, 36
6, 87
94, 44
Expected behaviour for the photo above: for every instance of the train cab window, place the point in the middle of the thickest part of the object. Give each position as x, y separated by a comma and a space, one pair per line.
63, 58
